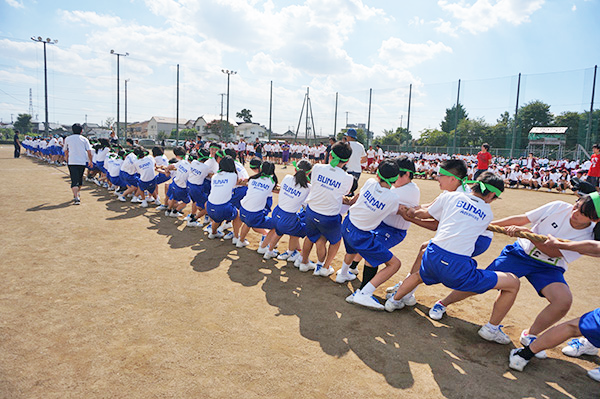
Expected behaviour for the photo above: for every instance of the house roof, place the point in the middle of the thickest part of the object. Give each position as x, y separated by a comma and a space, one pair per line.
162, 119
215, 117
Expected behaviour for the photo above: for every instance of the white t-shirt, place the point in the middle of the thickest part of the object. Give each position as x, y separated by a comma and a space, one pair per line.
198, 172
128, 165
409, 195
114, 166
145, 167
463, 218
78, 147
370, 153
101, 154
258, 191
374, 204
213, 165
329, 185
358, 151
291, 195
221, 187
553, 218
182, 172
161, 160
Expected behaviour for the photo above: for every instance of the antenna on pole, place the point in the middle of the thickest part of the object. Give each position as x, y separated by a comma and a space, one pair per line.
30, 103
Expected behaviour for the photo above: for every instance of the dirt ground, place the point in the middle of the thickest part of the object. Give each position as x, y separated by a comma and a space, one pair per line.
108, 299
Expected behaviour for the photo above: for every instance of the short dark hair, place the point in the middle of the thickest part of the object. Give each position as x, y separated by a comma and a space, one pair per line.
157, 151
486, 146
388, 168
77, 129
227, 164
342, 150
404, 162
488, 178
179, 151
457, 167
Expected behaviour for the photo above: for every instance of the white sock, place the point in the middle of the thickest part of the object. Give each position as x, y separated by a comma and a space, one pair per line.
345, 268
368, 289
491, 326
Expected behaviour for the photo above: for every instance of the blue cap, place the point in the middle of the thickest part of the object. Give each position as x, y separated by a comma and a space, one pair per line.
351, 133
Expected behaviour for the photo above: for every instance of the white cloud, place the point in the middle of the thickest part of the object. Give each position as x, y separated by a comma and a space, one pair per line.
399, 53
482, 15
91, 18
416, 21
445, 27
574, 8
17, 76
15, 3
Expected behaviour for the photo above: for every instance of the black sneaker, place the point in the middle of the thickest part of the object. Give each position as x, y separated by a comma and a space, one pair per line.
76, 201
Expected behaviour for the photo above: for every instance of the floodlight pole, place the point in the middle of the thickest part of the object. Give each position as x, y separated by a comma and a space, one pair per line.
118, 88
44, 42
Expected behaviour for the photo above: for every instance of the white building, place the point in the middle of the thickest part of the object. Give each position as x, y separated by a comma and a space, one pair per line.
251, 131
158, 124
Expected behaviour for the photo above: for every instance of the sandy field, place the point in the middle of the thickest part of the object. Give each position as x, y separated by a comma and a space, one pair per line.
111, 300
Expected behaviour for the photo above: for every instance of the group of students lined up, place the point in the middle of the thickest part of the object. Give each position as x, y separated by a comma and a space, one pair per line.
311, 205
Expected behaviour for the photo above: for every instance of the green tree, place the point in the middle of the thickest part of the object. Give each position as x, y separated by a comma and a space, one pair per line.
245, 115
361, 136
534, 113
571, 120
472, 132
434, 138
184, 134
399, 137
162, 135
500, 134
23, 123
222, 129
447, 124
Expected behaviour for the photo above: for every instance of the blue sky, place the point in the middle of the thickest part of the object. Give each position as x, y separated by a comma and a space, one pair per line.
343, 46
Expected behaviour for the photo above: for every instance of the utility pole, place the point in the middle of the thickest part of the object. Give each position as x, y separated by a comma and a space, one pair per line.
44, 42
126, 80
118, 89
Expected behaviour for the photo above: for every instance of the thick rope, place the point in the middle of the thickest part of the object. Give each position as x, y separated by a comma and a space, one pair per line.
523, 234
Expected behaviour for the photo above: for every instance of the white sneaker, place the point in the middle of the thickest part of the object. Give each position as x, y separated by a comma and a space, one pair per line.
188, 217
270, 254
515, 361
228, 236
226, 225
304, 267
241, 244
216, 235
368, 301
135, 199
393, 288
206, 219
192, 223
168, 212
122, 199
342, 278
494, 335
284, 255
321, 271
409, 299
295, 256
144, 204
262, 250
353, 270
175, 214
208, 228
350, 298
298, 261
594, 374
391, 305
579, 346
235, 240
437, 311
527, 339
157, 202
158, 208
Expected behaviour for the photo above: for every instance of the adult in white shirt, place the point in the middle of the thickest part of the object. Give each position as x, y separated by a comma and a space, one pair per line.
78, 153
358, 157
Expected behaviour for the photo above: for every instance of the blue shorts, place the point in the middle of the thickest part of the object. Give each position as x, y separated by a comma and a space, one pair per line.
238, 194
589, 325
115, 180
458, 272
197, 194
513, 259
364, 243
222, 212
259, 219
128, 179
149, 185
162, 178
389, 236
100, 166
481, 245
318, 225
177, 193
292, 224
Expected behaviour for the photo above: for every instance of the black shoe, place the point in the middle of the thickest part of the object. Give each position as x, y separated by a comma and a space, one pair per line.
76, 201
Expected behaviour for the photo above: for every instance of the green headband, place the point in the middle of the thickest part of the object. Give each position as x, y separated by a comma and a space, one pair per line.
269, 176
306, 172
335, 160
214, 146
389, 181
411, 171
482, 186
596, 200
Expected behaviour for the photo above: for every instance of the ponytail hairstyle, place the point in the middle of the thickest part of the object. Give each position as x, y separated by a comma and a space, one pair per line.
104, 143
121, 154
227, 164
267, 169
303, 169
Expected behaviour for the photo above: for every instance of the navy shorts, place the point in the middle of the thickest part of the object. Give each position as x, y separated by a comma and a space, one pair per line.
481, 245
162, 178
177, 193
513, 259
458, 272
115, 180
589, 325
389, 236
149, 185
197, 194
259, 219
292, 224
222, 212
364, 243
318, 226
238, 194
